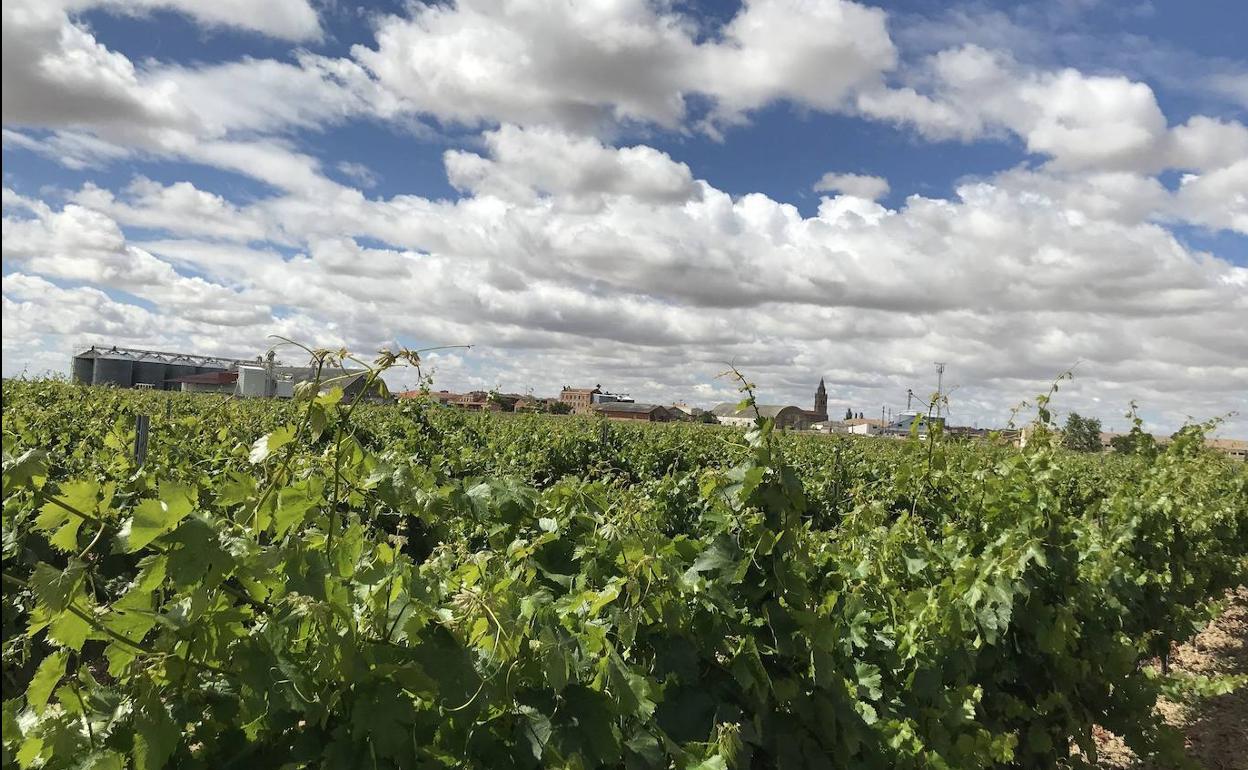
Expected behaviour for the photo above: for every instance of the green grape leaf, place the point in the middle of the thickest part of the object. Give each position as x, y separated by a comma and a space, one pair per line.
153, 518
69, 630
54, 588
80, 495
156, 734
295, 502
46, 677
29, 752
29, 469
869, 679
537, 730
66, 538
270, 443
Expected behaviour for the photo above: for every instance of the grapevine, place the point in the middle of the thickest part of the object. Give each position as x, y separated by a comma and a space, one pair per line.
326, 583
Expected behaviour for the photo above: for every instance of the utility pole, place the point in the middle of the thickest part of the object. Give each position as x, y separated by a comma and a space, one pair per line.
142, 425
940, 384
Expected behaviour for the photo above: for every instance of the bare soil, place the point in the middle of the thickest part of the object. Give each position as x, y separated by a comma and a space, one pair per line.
1215, 729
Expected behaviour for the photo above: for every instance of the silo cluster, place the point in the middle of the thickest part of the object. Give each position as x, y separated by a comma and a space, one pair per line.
130, 368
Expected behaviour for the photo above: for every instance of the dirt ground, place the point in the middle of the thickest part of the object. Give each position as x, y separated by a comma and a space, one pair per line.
1216, 729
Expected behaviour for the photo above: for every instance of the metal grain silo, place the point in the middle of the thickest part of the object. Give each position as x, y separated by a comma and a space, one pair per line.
150, 372
83, 368
118, 372
178, 370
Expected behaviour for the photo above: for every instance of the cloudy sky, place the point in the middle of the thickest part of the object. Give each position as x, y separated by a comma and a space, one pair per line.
632, 193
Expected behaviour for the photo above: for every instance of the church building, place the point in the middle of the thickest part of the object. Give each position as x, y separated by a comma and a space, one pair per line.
785, 417
820, 412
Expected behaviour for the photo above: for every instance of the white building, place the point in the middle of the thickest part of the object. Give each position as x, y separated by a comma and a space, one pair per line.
864, 426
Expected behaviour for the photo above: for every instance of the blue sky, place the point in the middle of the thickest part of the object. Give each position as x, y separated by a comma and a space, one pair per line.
772, 154
631, 193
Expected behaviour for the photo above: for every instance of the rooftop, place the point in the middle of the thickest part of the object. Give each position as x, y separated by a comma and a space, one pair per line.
765, 410
140, 354
626, 406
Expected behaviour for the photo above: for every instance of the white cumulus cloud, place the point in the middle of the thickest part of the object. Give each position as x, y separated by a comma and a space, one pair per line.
859, 185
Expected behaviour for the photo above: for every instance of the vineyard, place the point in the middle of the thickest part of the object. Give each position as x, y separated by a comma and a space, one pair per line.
324, 584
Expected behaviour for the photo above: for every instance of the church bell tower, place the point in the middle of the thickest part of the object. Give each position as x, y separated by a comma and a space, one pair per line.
821, 400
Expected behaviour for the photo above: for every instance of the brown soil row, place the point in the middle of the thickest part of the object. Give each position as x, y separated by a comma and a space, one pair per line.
1216, 729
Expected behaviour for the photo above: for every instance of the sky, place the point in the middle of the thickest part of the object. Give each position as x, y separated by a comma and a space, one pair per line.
635, 194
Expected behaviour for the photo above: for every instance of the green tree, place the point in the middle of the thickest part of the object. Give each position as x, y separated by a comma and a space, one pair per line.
1136, 442
558, 407
849, 414
1082, 434
496, 399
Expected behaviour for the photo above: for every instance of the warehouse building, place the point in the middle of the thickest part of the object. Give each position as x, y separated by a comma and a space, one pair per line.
628, 410
145, 369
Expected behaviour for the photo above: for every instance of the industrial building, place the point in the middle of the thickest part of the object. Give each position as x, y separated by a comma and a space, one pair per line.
146, 369
257, 378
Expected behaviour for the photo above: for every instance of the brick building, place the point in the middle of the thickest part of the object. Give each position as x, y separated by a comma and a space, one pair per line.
820, 412
580, 399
